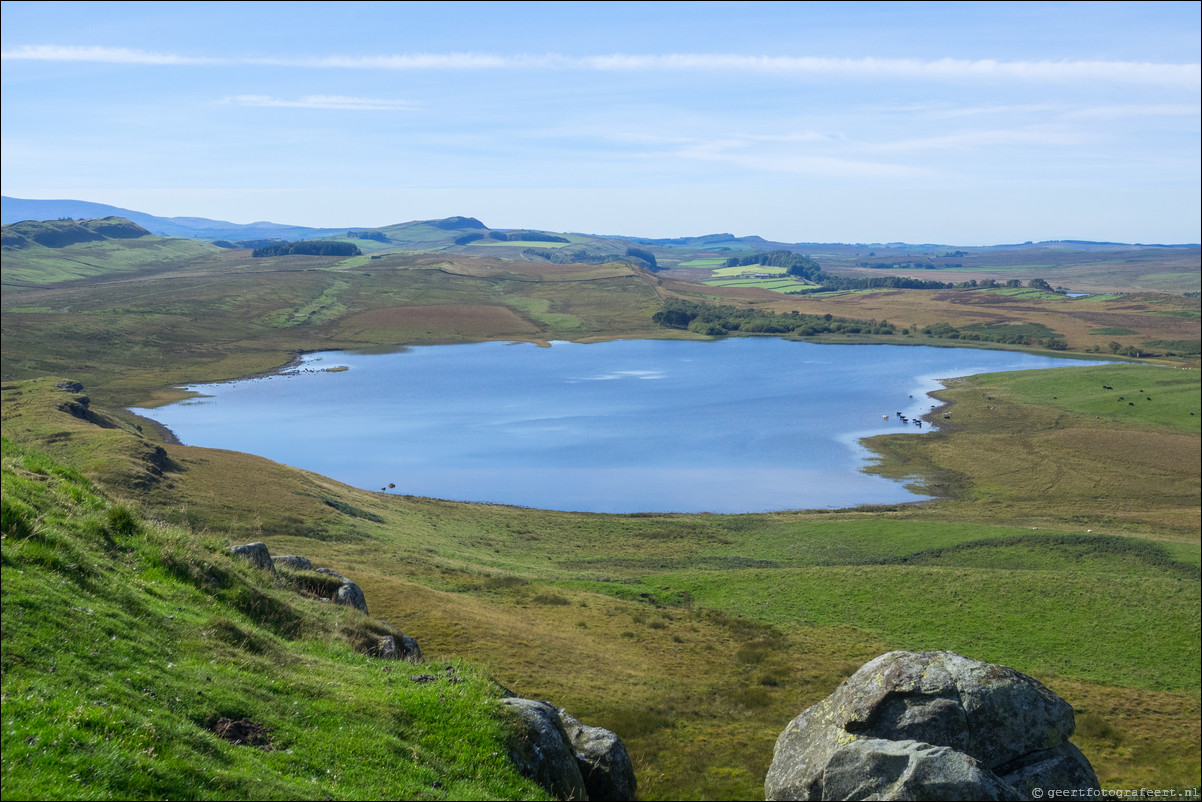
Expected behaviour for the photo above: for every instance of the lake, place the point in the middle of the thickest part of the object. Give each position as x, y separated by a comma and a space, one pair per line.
734, 425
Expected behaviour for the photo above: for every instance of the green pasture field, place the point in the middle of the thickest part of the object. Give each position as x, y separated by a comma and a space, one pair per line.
1153, 397
706, 262
745, 270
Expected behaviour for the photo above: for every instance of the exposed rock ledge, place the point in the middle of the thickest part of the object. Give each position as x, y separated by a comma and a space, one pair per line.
932, 726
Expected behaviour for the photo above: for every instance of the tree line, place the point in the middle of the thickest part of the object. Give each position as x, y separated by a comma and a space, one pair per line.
716, 320
308, 248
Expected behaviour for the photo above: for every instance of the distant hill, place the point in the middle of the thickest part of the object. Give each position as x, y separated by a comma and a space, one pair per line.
39, 253
61, 233
14, 210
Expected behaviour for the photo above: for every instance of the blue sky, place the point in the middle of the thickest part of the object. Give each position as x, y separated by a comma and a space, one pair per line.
958, 123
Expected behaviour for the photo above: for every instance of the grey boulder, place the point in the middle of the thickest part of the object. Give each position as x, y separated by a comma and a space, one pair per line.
257, 553
931, 725
602, 759
542, 750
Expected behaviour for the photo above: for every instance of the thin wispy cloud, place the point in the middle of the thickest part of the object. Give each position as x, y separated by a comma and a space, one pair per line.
340, 102
975, 139
797, 66
105, 55
741, 153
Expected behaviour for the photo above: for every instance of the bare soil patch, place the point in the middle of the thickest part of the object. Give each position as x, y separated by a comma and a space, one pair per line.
243, 732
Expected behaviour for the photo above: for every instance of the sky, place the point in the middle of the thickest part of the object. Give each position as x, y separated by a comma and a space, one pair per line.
958, 123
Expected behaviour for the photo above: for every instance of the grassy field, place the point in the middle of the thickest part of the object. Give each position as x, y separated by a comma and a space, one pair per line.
1064, 542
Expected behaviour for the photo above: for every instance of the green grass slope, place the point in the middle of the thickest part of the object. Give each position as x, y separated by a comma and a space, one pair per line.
39, 253
129, 646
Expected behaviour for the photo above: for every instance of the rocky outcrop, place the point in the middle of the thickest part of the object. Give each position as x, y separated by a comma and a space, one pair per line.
569, 759
292, 561
257, 553
931, 725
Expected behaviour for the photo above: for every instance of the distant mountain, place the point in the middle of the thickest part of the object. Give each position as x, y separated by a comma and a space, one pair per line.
14, 210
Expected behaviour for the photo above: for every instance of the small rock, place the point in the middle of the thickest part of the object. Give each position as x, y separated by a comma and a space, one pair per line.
292, 561
406, 649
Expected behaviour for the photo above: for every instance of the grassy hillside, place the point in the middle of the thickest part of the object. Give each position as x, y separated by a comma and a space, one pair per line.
143, 661
46, 253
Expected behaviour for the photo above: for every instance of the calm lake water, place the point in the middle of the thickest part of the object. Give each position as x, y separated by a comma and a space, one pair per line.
736, 425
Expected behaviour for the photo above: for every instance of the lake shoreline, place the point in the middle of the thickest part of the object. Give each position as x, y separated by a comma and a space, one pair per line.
727, 426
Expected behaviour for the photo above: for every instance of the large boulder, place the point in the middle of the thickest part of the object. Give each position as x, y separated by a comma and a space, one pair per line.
602, 759
348, 593
542, 750
351, 595
257, 553
931, 725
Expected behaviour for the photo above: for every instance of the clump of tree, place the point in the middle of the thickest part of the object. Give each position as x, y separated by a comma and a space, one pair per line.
467, 239
645, 256
527, 236
563, 256
794, 263
248, 243
308, 248
378, 236
1177, 347
452, 223
716, 320
1030, 334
